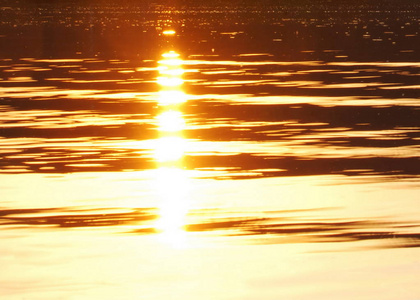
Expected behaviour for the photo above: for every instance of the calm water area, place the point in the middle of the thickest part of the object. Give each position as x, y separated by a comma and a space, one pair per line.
210, 151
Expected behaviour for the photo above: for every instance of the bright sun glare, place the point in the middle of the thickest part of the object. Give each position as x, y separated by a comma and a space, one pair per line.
169, 32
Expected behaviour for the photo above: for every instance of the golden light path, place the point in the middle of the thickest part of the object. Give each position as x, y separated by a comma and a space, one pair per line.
172, 182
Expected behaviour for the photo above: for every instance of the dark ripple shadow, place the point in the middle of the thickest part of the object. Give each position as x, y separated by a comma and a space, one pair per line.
269, 227
74, 218
255, 166
337, 116
235, 166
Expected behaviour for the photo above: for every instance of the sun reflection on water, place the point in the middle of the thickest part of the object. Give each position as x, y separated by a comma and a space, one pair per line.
172, 187
172, 182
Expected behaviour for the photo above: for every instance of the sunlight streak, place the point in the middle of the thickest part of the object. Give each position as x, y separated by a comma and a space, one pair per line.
172, 182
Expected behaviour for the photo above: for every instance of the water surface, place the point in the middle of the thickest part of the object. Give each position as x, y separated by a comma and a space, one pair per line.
209, 152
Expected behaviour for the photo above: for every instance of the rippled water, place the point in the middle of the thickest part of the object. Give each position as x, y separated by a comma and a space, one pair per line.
202, 152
